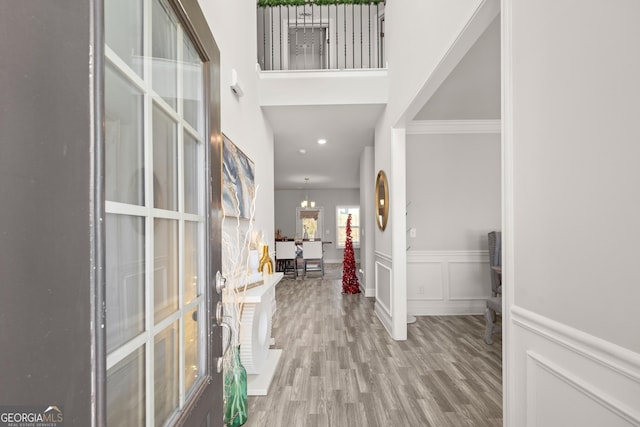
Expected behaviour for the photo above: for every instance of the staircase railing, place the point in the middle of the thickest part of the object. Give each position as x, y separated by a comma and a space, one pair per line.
320, 34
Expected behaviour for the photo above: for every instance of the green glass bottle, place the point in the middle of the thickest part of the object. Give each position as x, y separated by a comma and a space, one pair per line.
235, 391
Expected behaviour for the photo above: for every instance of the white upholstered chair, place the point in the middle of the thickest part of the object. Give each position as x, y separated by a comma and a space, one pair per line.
286, 257
312, 256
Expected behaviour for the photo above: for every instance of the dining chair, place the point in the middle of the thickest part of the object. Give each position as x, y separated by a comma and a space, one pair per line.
286, 257
313, 257
494, 303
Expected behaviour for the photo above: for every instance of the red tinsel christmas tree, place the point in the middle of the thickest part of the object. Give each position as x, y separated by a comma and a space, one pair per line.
349, 279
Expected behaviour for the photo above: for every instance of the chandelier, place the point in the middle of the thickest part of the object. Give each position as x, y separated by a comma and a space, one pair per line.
306, 203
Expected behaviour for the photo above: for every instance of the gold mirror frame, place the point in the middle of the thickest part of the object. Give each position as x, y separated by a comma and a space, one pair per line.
382, 200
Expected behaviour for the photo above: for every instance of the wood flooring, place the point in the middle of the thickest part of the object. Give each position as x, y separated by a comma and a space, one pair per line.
339, 367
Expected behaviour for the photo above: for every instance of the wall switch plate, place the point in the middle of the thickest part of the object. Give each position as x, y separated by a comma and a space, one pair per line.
412, 232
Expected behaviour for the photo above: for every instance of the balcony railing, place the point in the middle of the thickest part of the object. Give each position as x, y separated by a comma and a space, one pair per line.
320, 34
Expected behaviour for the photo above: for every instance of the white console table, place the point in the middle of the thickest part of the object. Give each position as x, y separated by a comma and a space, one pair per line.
255, 335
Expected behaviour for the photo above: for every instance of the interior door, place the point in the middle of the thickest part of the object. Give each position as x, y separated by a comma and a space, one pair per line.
162, 186
307, 48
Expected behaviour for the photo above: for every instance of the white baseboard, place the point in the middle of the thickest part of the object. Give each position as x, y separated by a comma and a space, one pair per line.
445, 308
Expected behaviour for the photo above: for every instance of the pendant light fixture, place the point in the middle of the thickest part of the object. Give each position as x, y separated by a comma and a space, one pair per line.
306, 203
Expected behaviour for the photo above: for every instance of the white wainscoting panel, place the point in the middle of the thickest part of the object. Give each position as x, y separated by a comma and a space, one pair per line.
447, 282
467, 279
384, 296
383, 286
430, 285
568, 377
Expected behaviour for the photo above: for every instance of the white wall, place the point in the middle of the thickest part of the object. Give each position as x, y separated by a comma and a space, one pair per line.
453, 201
233, 24
453, 190
572, 210
367, 222
286, 202
472, 89
440, 22
338, 87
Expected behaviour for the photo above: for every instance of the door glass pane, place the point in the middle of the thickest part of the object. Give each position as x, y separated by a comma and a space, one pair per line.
124, 155
192, 86
191, 362
305, 48
165, 161
166, 373
191, 173
164, 52
155, 258
125, 278
123, 31
165, 290
191, 269
125, 391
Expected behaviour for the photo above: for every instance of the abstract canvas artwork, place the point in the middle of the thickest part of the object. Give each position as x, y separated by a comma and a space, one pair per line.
238, 181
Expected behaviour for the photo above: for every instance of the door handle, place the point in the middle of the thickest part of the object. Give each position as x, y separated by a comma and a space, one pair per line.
221, 284
219, 312
225, 348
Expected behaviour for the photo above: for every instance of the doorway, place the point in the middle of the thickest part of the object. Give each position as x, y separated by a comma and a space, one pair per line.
307, 48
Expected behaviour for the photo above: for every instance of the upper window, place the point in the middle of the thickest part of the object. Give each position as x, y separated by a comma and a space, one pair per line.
342, 213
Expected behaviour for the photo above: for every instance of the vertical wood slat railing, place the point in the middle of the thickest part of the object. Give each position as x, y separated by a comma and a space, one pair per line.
320, 36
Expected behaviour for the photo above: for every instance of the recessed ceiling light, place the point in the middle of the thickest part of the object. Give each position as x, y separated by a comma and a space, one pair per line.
302, 151
322, 141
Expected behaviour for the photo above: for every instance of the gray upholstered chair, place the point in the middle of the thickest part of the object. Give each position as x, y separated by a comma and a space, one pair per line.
494, 303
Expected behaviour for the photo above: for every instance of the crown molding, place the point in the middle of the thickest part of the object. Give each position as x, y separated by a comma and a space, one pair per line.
435, 127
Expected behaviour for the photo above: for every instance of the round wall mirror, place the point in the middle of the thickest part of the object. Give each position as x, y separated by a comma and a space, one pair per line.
382, 200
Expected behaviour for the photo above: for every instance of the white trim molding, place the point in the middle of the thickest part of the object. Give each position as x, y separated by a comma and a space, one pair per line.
384, 257
380, 301
459, 255
566, 373
398, 226
383, 290
610, 356
510, 388
382, 308
535, 363
440, 127
475, 26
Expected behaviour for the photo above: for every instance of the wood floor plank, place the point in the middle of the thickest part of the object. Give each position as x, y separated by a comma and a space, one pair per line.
339, 367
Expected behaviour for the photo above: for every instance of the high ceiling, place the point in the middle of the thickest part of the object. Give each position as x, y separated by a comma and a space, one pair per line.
472, 91
347, 129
